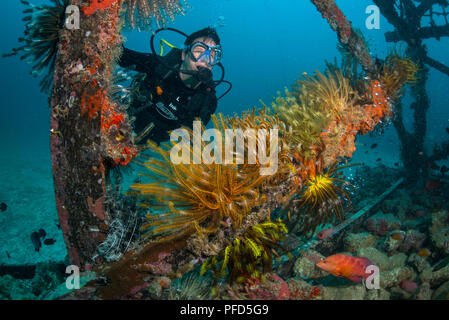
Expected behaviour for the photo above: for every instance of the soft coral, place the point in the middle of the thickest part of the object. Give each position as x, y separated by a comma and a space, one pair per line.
98, 5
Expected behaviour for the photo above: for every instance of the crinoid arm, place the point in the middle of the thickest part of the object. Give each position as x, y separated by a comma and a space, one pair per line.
194, 198
322, 200
141, 13
41, 37
396, 71
250, 255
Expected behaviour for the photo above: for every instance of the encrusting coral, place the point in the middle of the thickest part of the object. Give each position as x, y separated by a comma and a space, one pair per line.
102, 52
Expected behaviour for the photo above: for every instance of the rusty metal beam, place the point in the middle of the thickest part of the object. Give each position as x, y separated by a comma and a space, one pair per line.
75, 139
346, 34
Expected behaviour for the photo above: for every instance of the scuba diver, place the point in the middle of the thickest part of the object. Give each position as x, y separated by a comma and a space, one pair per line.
177, 88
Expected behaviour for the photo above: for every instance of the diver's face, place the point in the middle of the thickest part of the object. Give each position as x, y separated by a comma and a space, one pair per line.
189, 64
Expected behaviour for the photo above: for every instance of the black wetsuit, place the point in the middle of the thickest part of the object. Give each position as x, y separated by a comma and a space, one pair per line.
163, 98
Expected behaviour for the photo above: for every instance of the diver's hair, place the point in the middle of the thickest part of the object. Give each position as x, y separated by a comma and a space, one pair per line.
206, 32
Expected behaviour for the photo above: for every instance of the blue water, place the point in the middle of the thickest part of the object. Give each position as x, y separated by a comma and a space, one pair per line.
267, 45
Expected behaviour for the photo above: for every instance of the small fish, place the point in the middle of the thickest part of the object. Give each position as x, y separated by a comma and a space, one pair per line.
42, 233
49, 241
424, 252
397, 236
7, 254
35, 239
396, 164
342, 265
447, 130
378, 159
374, 145
3, 206
444, 169
326, 233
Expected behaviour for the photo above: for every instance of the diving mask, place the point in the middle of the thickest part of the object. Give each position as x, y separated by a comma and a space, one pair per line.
201, 51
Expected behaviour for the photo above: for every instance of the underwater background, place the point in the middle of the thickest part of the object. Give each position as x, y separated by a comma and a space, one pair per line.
267, 44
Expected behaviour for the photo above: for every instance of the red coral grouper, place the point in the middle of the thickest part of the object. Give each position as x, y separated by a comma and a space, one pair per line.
342, 265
